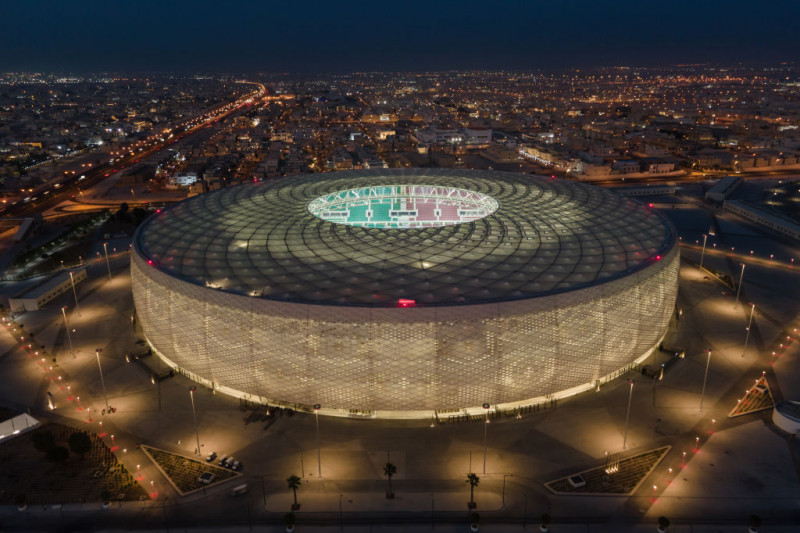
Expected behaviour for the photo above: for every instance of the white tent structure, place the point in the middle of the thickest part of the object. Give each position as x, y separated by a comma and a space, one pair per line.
17, 426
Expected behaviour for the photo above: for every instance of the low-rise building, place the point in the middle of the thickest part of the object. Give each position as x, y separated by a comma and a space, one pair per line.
38, 296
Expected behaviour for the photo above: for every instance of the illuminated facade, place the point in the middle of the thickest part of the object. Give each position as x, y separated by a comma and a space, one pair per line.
550, 288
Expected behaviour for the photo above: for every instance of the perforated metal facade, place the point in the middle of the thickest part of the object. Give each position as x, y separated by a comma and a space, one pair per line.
562, 285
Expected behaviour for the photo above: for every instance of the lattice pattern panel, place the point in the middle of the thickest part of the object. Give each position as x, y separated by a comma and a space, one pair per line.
424, 358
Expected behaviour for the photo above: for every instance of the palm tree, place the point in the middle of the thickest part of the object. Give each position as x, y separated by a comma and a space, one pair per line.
473, 481
288, 521
294, 484
389, 470
80, 443
545, 525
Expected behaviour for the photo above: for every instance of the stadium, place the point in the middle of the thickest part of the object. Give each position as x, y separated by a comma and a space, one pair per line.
405, 293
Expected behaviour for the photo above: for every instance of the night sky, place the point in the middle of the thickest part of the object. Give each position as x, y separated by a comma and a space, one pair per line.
311, 36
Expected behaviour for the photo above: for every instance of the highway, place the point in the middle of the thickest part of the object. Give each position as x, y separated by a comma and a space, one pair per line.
49, 196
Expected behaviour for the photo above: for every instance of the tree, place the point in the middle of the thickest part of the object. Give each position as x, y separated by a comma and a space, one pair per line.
474, 522
80, 443
545, 525
663, 524
294, 483
755, 523
473, 481
57, 454
44, 441
389, 470
139, 214
105, 495
288, 521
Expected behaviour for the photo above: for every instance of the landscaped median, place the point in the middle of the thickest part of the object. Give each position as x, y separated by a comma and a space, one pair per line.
617, 476
56, 464
185, 474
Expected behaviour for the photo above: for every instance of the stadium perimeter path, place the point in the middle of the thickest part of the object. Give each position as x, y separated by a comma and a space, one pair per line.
541, 447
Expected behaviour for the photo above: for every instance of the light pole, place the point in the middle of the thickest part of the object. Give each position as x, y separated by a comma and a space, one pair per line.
741, 277
97, 354
705, 377
749, 325
317, 407
485, 433
66, 325
341, 521
108, 265
628, 415
194, 416
74, 293
504, 487
703, 253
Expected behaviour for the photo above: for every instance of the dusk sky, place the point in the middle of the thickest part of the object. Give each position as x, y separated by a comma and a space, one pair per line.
309, 36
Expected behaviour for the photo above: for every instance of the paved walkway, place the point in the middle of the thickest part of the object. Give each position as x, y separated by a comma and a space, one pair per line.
733, 467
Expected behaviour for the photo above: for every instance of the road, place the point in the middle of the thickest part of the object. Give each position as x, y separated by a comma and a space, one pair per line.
47, 199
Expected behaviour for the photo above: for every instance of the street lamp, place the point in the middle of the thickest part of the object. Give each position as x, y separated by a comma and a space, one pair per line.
485, 432
194, 416
749, 325
703, 253
504, 487
705, 377
628, 415
74, 293
108, 265
97, 354
741, 277
66, 326
317, 407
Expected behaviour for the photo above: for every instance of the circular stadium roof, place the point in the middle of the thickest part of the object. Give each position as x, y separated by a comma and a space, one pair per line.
543, 236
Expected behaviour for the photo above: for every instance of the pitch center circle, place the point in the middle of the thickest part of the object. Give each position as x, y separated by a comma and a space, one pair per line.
403, 206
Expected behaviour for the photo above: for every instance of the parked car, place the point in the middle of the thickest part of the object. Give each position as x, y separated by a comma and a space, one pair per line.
236, 465
224, 460
239, 489
211, 457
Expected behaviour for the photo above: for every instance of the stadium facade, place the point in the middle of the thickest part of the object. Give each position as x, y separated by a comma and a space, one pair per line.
400, 293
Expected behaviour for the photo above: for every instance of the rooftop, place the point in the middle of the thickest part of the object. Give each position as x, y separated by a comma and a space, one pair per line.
546, 236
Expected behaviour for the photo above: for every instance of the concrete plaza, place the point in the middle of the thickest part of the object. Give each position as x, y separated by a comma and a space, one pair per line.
732, 468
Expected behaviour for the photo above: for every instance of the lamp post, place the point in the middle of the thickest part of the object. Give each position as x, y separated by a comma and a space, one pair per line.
102, 381
485, 434
749, 325
317, 407
108, 265
741, 277
194, 417
705, 377
66, 325
628, 415
703, 253
74, 293
504, 487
